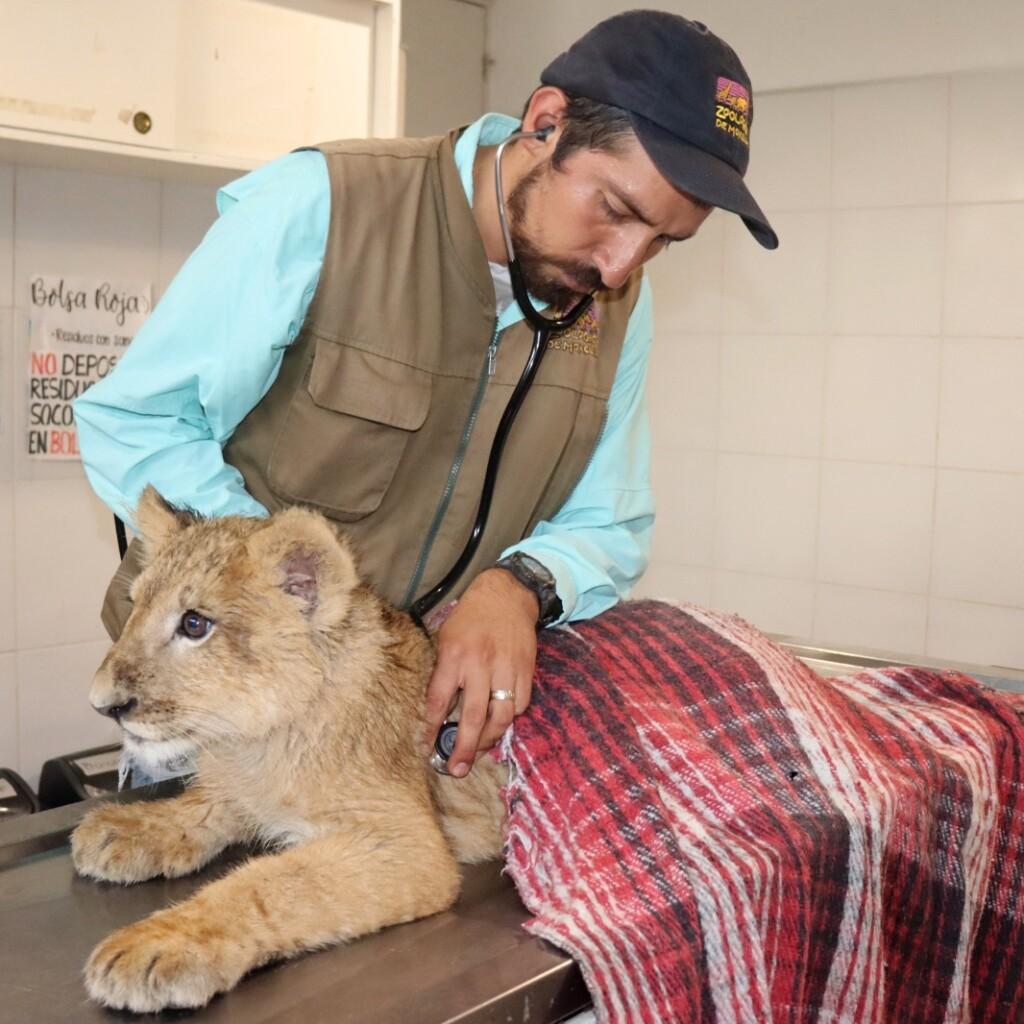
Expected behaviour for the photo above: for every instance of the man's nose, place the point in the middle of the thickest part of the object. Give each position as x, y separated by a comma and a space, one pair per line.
116, 711
618, 260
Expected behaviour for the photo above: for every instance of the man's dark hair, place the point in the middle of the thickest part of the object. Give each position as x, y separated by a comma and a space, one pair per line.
590, 125
599, 127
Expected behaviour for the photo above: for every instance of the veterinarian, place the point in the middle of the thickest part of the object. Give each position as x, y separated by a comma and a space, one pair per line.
345, 337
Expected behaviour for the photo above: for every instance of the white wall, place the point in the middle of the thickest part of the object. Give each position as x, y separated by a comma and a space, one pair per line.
443, 42
839, 424
784, 44
57, 547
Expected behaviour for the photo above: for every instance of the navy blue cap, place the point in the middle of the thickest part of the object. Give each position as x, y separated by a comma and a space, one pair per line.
688, 96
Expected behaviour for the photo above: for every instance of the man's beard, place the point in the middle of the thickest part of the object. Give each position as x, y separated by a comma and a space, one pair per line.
535, 264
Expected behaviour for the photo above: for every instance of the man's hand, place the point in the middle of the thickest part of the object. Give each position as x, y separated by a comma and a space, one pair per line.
489, 642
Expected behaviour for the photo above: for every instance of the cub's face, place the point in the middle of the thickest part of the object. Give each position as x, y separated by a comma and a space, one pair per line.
223, 640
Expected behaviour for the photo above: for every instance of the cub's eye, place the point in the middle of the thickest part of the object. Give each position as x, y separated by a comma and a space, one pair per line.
194, 625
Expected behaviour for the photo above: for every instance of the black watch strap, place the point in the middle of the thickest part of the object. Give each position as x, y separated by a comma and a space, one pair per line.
536, 577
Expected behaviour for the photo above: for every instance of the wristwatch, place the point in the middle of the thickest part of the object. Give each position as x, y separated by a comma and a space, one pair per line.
537, 578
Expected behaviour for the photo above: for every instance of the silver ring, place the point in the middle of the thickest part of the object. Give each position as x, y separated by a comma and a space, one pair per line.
503, 694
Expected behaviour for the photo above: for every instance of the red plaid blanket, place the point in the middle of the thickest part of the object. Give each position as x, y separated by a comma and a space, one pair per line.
715, 833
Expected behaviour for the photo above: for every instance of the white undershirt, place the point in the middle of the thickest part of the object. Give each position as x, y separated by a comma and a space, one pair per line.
503, 297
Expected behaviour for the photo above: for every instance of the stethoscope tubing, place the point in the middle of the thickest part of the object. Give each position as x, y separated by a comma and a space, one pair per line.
543, 328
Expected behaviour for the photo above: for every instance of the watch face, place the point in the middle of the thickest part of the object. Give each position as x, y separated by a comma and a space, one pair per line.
536, 571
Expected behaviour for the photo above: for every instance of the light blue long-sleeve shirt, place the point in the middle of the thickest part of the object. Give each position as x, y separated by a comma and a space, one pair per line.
213, 347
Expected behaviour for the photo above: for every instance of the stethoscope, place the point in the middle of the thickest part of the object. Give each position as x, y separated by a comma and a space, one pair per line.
543, 327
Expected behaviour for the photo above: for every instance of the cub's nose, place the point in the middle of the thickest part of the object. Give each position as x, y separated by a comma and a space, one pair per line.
115, 711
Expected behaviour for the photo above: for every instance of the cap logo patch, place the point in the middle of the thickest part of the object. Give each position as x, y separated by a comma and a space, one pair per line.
732, 109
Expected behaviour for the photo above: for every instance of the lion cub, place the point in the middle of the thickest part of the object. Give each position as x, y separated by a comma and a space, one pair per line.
253, 644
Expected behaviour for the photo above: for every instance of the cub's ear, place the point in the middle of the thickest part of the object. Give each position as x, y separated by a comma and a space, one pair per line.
308, 560
157, 520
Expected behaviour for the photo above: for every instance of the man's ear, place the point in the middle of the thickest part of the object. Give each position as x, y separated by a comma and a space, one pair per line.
545, 109
307, 560
157, 521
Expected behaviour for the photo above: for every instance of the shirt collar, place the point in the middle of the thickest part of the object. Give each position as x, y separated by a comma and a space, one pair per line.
489, 130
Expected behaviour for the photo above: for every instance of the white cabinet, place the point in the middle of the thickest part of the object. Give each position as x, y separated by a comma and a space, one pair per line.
85, 67
214, 83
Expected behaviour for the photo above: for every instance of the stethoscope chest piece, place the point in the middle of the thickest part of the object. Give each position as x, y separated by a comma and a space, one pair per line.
443, 747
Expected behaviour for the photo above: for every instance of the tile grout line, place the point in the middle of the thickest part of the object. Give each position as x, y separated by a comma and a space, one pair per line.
827, 342
942, 365
15, 434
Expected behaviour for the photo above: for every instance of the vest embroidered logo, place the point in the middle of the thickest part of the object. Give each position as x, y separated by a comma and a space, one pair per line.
580, 339
732, 109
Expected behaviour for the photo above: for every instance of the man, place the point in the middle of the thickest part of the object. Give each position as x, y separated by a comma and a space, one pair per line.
345, 338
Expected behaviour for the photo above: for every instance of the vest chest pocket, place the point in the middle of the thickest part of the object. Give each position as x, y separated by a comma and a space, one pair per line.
346, 429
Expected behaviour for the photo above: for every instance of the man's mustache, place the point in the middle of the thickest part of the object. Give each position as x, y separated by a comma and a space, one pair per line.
589, 277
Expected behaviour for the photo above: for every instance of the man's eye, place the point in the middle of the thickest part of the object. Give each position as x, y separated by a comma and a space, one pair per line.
611, 213
194, 625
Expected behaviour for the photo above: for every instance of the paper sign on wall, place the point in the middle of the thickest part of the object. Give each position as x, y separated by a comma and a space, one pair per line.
78, 329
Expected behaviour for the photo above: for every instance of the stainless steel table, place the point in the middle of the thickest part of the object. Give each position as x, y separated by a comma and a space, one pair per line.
472, 964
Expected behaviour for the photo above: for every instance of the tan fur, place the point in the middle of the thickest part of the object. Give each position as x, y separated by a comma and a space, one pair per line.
304, 704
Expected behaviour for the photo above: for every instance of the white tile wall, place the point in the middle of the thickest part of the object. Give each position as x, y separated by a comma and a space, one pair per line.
766, 513
868, 418
92, 224
683, 376
882, 399
890, 142
886, 270
9, 757
979, 537
982, 404
6, 236
687, 280
57, 547
777, 605
60, 597
8, 592
880, 619
8, 421
54, 714
976, 633
985, 253
685, 484
782, 291
771, 387
667, 581
876, 525
791, 155
986, 146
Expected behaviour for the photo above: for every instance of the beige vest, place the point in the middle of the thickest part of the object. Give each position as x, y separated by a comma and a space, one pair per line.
385, 407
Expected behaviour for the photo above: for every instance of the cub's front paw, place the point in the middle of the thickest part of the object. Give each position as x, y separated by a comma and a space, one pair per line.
129, 843
157, 963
